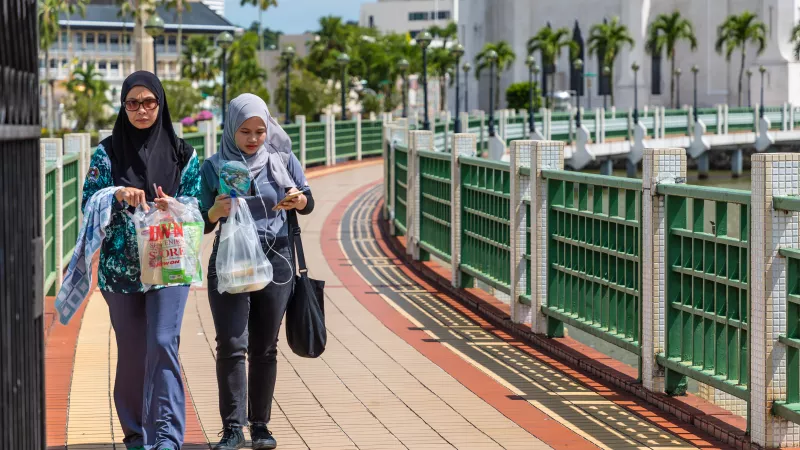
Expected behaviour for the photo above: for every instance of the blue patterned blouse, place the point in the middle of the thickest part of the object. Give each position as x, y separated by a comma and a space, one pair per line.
119, 254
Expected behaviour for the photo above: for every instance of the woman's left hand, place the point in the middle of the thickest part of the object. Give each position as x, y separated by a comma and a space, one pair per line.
162, 201
298, 202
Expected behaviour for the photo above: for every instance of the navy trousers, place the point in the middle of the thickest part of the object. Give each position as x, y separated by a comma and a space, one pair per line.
148, 390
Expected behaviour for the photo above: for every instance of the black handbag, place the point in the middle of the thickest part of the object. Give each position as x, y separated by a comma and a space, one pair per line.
305, 313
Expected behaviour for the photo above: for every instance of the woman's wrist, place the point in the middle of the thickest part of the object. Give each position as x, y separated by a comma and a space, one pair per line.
213, 217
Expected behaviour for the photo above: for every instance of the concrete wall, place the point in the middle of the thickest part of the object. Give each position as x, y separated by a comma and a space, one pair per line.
392, 15
269, 59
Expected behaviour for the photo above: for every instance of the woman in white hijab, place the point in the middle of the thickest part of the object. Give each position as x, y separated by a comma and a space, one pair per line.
248, 323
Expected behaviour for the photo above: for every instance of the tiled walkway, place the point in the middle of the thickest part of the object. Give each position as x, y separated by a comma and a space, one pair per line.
404, 368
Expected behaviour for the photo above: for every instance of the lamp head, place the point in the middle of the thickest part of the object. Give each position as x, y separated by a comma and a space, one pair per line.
466, 67
288, 53
762, 69
635, 67
154, 25
491, 56
606, 70
457, 50
343, 59
678, 71
695, 69
403, 65
224, 40
578, 64
424, 39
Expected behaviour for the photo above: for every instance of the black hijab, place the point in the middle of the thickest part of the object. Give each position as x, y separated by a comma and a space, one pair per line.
140, 158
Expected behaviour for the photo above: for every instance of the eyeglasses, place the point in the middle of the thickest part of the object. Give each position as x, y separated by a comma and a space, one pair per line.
134, 105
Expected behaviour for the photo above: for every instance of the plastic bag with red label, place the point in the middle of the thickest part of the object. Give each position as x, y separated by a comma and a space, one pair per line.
169, 243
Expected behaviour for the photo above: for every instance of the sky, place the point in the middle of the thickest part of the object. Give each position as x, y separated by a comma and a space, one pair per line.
293, 16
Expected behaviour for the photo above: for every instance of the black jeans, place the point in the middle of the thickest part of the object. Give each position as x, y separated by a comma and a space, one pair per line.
248, 324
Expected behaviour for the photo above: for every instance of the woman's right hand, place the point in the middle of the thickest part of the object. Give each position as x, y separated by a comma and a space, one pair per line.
220, 209
133, 197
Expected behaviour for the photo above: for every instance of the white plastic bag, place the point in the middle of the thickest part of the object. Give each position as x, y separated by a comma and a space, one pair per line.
242, 265
169, 243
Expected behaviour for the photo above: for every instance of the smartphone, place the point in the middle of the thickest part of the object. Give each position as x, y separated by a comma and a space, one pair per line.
287, 198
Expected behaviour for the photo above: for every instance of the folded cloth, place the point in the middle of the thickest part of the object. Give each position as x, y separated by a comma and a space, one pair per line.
78, 280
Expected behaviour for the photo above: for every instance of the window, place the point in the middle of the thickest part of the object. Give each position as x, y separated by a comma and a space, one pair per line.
90, 41
53, 63
78, 38
113, 41
372, 21
159, 41
114, 66
102, 40
64, 40
126, 42
413, 16
172, 44
102, 65
444, 15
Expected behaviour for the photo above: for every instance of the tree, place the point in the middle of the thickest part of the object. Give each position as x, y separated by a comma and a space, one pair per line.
309, 94
88, 96
331, 40
271, 37
612, 37
795, 39
735, 33
505, 58
244, 74
550, 43
262, 6
441, 60
184, 100
198, 61
664, 34
178, 6
49, 11
518, 96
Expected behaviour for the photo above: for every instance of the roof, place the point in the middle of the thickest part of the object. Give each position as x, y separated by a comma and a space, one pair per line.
199, 19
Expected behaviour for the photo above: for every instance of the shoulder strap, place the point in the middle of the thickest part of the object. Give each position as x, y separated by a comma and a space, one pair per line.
296, 242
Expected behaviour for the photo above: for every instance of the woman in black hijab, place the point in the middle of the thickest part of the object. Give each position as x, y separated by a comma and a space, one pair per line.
146, 162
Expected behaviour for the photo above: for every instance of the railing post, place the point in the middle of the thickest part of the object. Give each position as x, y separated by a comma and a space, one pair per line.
784, 116
689, 121
464, 118
387, 168
725, 116
791, 117
772, 175
301, 121
656, 122
358, 136
446, 117
544, 155
73, 145
102, 134
663, 165
178, 127
719, 120
463, 145
54, 152
417, 140
330, 139
520, 193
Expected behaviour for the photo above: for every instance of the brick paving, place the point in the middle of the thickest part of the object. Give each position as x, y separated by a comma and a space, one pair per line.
388, 379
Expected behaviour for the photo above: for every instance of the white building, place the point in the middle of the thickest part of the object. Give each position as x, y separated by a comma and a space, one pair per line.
407, 16
218, 6
515, 21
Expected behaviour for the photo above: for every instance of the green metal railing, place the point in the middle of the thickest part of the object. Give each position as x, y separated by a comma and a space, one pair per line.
593, 248
371, 137
707, 288
71, 204
789, 408
485, 221
293, 130
434, 198
198, 141
400, 187
50, 229
315, 143
345, 140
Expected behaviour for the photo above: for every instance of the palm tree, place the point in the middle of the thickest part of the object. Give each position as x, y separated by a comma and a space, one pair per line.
49, 11
795, 39
198, 60
550, 43
441, 59
69, 9
612, 37
331, 40
138, 10
664, 34
179, 6
88, 83
505, 59
736, 32
262, 6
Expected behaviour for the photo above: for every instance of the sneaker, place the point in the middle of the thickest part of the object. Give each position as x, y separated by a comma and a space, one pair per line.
232, 439
262, 438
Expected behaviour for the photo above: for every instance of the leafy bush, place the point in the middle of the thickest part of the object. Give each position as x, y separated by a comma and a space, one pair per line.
184, 100
517, 96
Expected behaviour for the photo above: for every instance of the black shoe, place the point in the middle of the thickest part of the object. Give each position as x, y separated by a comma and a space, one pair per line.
232, 439
262, 438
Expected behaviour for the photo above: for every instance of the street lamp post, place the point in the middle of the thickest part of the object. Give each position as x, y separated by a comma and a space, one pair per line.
492, 57
403, 66
606, 74
343, 59
424, 40
155, 28
695, 69
763, 70
533, 70
467, 67
288, 56
578, 65
678, 73
749, 88
457, 51
635, 68
224, 42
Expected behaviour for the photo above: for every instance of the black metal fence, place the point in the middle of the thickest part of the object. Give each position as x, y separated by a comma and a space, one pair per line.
22, 396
